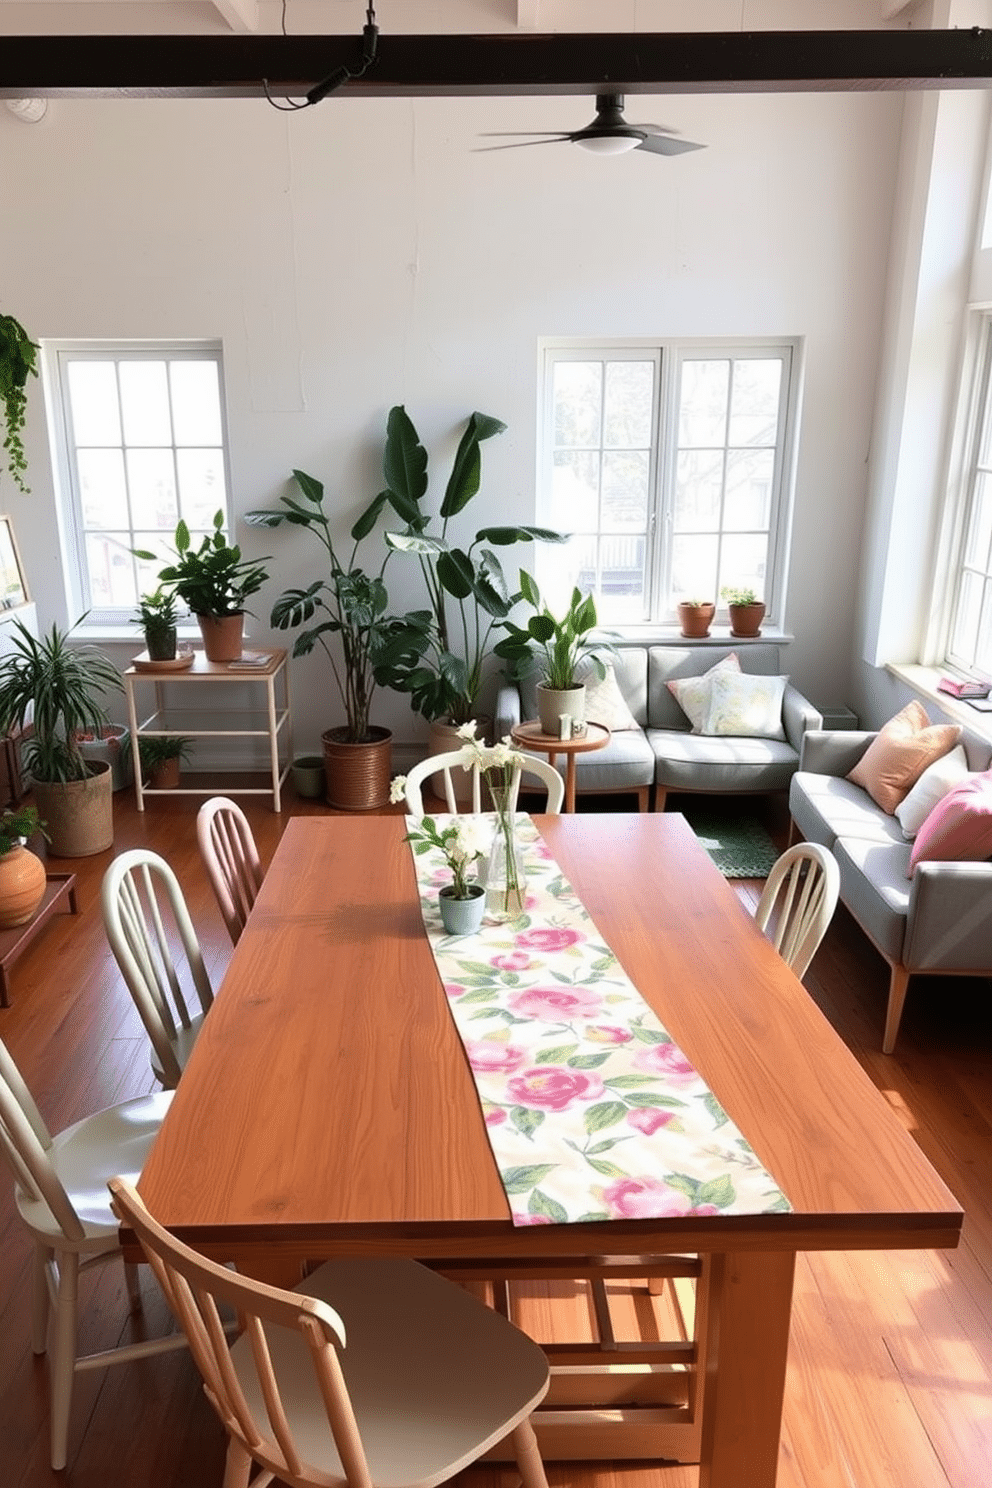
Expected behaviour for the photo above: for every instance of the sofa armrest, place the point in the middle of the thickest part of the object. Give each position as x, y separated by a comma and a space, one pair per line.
832, 751
507, 712
950, 910
798, 715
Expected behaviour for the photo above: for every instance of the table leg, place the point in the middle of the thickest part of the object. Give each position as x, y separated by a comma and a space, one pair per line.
570, 784
749, 1308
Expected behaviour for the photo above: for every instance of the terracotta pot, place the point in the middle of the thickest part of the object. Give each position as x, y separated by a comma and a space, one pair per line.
357, 775
79, 814
745, 620
551, 704
222, 636
696, 620
22, 884
164, 775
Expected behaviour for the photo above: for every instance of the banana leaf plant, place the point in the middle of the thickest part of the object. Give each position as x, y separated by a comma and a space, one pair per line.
469, 598
348, 606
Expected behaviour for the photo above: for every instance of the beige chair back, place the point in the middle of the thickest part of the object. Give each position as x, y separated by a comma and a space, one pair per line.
798, 902
26, 1142
141, 896
230, 856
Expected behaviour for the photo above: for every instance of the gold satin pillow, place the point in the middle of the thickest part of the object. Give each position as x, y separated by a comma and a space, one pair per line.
902, 750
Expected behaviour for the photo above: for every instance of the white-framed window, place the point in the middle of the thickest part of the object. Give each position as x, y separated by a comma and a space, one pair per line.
671, 466
140, 442
966, 562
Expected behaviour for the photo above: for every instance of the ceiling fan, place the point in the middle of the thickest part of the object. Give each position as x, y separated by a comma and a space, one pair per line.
608, 134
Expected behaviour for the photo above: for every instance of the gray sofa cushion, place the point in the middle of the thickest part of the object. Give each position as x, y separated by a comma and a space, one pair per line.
825, 807
706, 762
874, 886
627, 763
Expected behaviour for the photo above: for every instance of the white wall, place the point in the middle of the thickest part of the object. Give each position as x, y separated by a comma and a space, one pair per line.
361, 254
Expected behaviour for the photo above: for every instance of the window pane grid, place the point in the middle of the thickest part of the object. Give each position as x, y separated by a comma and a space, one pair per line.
144, 436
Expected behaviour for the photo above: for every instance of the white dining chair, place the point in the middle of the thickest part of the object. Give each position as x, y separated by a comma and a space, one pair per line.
231, 859
145, 913
443, 764
373, 1370
61, 1195
798, 902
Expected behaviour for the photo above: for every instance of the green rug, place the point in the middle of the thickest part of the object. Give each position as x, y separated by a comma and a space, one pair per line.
739, 845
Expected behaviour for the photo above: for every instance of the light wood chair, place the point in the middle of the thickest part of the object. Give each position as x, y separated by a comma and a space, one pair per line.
61, 1195
144, 913
798, 902
443, 764
430, 1378
230, 856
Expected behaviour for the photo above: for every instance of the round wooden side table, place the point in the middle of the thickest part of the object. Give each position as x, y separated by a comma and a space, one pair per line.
530, 735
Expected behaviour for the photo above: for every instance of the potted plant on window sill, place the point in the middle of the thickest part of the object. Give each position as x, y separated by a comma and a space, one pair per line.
22, 873
53, 688
560, 643
696, 617
746, 611
214, 580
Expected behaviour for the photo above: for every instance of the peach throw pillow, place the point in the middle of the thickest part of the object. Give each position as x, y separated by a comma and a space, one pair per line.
897, 757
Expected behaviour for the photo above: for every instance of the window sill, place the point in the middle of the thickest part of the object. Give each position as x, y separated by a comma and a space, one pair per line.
923, 680
671, 635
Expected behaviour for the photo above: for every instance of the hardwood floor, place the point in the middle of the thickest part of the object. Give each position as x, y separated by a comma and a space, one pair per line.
890, 1376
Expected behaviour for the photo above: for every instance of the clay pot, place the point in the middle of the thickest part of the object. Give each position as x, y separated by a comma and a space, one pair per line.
22, 885
696, 619
745, 619
222, 636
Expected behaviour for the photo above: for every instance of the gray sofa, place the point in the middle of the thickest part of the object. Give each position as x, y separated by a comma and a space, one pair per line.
663, 754
937, 922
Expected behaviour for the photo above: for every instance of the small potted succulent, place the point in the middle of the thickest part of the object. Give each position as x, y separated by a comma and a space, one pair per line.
22, 873
746, 610
696, 617
157, 618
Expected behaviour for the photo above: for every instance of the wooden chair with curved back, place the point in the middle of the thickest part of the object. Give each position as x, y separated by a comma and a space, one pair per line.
443, 764
144, 913
231, 859
61, 1195
411, 1382
798, 902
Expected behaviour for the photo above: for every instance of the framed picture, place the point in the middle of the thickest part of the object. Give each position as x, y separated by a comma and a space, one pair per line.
13, 585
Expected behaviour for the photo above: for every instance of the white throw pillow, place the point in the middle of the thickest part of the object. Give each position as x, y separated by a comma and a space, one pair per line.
606, 704
746, 705
693, 693
933, 785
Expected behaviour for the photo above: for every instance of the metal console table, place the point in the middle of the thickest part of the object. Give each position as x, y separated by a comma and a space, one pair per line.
167, 717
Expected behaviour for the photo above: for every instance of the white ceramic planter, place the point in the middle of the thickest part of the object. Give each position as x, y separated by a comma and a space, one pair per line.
552, 703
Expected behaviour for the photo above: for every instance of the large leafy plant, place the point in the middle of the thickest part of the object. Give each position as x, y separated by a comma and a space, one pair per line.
18, 362
559, 642
442, 668
63, 684
348, 606
213, 579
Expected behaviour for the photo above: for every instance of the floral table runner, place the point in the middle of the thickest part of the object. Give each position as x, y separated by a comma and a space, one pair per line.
592, 1111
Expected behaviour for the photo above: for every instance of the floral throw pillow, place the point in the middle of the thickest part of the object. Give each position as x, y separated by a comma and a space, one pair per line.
693, 693
896, 758
746, 705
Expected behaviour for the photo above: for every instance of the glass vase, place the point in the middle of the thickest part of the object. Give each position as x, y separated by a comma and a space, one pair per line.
506, 876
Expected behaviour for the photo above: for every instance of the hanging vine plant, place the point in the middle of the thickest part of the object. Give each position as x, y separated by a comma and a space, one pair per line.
18, 355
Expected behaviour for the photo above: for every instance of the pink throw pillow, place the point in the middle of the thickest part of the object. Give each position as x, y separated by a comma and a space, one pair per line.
959, 826
903, 748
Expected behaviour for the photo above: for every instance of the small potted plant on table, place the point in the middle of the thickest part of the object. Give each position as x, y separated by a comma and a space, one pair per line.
562, 642
214, 580
462, 903
157, 618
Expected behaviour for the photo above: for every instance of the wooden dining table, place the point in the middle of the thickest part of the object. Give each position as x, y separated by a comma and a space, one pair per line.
328, 1108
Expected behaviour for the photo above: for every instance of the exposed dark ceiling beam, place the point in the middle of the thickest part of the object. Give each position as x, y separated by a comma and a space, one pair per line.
514, 63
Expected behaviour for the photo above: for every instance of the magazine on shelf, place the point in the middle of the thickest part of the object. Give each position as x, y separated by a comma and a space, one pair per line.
251, 661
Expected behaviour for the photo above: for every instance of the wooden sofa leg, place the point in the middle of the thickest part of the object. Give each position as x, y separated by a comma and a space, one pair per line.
660, 796
898, 983
643, 794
